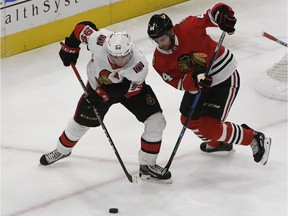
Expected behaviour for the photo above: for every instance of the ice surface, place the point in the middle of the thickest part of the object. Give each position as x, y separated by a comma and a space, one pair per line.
39, 95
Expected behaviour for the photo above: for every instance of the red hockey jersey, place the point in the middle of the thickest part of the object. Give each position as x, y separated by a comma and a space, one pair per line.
194, 48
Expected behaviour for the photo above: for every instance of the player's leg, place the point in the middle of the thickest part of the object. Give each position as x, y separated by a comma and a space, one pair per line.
193, 124
215, 110
214, 128
228, 132
83, 119
146, 108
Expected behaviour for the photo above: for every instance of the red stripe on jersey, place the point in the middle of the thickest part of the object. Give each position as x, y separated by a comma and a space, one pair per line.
136, 91
77, 30
131, 94
150, 147
66, 142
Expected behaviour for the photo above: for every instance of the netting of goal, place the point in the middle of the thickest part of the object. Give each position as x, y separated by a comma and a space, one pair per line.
273, 82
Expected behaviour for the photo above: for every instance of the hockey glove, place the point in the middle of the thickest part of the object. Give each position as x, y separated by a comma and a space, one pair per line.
201, 80
103, 95
68, 54
224, 16
206, 82
117, 90
100, 96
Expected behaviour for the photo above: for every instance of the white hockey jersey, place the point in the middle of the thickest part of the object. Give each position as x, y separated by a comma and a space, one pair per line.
101, 72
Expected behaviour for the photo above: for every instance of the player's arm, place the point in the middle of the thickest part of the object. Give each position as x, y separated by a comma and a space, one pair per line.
223, 16
178, 80
175, 78
69, 51
117, 90
126, 89
132, 82
137, 76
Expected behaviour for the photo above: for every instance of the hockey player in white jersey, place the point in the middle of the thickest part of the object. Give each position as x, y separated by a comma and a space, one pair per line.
116, 74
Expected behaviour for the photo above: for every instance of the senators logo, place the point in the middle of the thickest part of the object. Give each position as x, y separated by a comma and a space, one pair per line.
150, 100
192, 61
104, 77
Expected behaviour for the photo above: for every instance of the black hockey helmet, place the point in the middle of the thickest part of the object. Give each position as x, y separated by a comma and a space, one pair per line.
159, 25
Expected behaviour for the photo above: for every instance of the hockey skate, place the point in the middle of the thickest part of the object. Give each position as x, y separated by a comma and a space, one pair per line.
260, 146
52, 157
221, 147
155, 173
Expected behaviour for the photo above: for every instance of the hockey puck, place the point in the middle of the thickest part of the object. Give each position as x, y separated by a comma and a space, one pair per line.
113, 210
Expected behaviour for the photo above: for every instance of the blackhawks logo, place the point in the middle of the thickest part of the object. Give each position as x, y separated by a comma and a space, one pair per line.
192, 61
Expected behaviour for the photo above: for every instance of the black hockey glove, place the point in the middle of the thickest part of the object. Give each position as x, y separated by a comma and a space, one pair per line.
99, 96
68, 54
69, 51
117, 90
206, 82
201, 80
224, 16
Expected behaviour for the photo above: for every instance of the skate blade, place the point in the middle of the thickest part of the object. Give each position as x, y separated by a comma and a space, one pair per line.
148, 178
220, 148
45, 162
267, 146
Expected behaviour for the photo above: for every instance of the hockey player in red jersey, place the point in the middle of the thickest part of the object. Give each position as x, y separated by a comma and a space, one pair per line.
182, 54
116, 74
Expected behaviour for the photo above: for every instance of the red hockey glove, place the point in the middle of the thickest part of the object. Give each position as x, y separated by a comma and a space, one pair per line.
224, 16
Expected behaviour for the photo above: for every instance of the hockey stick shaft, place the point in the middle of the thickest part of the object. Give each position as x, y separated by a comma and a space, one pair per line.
131, 178
195, 101
265, 34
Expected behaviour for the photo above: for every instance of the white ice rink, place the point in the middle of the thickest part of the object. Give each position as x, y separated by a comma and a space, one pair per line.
39, 95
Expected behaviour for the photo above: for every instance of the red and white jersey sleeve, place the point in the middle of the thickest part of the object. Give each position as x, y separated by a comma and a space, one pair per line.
101, 72
193, 49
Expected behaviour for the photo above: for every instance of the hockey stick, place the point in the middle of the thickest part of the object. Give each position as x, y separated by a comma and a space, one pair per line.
132, 179
265, 34
193, 105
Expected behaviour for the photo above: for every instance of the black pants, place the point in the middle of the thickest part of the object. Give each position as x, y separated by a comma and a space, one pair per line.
215, 101
141, 106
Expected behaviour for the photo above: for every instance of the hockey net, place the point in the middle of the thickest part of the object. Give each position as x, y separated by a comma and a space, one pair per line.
273, 82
